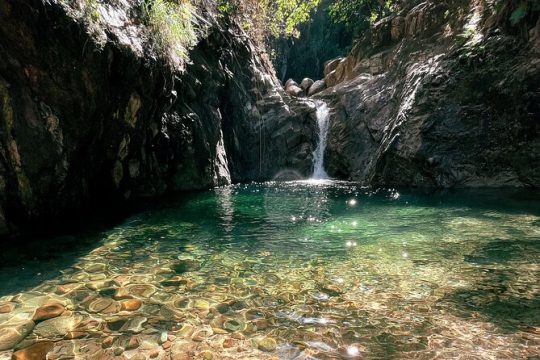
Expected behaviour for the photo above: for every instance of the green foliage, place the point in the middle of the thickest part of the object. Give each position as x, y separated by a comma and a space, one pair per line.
516, 11
286, 15
357, 15
91, 12
266, 19
173, 25
518, 14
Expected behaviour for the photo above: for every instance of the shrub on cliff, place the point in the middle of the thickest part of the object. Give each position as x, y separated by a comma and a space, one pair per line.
173, 26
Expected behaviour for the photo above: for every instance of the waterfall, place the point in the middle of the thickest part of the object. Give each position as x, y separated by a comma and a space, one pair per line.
323, 119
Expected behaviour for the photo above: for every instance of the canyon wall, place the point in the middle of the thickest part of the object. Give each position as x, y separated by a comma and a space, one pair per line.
92, 116
443, 94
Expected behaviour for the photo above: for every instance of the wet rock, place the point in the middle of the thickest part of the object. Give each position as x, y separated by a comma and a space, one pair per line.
186, 266
107, 342
118, 351
94, 268
6, 308
317, 87
121, 294
186, 331
206, 355
135, 324
99, 285
202, 334
75, 335
290, 82
294, 90
306, 84
36, 351
57, 327
99, 305
154, 353
12, 334
48, 311
201, 304
228, 343
233, 325
141, 290
267, 344
131, 305
163, 337
261, 324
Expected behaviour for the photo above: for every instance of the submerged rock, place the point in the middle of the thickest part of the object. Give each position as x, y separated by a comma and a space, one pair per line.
48, 311
57, 327
267, 344
131, 305
36, 351
6, 307
12, 334
135, 324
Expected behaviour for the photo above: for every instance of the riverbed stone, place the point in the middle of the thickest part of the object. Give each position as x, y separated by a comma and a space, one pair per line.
48, 311
141, 290
121, 294
57, 327
233, 325
12, 334
201, 304
6, 307
131, 304
36, 351
99, 305
135, 324
267, 344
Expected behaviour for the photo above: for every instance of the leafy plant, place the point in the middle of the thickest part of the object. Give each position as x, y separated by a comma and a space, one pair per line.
173, 25
266, 19
357, 15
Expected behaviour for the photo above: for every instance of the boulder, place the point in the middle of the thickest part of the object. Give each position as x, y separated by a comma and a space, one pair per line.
290, 82
306, 84
294, 90
317, 87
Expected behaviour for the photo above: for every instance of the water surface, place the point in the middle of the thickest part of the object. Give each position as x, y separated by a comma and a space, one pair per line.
300, 270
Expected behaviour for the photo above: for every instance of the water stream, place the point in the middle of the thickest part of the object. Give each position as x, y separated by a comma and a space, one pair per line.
294, 270
323, 120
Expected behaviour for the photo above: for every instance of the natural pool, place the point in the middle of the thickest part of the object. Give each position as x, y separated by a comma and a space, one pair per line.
299, 270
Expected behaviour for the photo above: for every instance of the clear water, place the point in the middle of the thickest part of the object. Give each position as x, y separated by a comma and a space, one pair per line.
301, 270
323, 121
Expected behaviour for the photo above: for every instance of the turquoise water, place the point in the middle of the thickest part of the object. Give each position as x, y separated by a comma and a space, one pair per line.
299, 270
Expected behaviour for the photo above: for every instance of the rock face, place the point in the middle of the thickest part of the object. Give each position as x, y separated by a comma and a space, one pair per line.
434, 98
93, 121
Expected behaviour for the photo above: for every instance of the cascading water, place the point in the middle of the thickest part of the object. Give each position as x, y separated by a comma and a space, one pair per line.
323, 117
